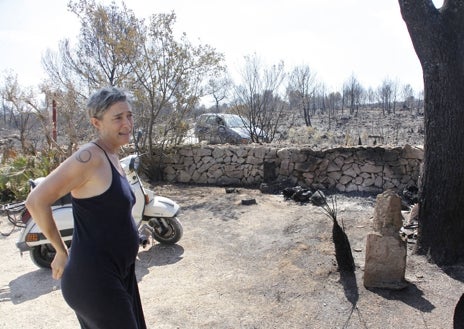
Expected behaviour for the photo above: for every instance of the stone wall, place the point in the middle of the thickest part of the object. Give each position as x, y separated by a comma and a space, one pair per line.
363, 169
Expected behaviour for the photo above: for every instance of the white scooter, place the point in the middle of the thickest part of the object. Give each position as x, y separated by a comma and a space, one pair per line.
155, 216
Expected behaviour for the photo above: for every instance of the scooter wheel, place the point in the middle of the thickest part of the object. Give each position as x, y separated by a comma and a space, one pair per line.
170, 232
43, 255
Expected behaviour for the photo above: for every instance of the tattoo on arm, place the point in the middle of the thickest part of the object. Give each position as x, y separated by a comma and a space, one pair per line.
83, 156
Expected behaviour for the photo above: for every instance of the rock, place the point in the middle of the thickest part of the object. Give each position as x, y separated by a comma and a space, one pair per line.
414, 214
288, 192
385, 263
298, 194
302, 195
318, 198
247, 202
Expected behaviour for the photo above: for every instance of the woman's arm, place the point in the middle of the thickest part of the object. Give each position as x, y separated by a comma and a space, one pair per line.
71, 174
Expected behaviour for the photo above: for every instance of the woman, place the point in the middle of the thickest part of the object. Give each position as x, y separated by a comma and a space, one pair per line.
98, 274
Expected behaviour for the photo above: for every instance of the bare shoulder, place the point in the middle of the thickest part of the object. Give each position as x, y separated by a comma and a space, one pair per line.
81, 164
88, 154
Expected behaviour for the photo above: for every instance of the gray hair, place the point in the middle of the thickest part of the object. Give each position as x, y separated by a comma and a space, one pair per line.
102, 99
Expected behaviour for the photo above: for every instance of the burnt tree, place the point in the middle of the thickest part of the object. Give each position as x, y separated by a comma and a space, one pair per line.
438, 39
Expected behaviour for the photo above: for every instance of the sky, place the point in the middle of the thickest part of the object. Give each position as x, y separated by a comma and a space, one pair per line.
336, 39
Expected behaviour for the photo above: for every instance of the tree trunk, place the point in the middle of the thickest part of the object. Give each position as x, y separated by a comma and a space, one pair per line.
442, 186
307, 115
437, 36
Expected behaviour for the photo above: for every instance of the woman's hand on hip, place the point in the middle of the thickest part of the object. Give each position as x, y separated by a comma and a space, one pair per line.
58, 264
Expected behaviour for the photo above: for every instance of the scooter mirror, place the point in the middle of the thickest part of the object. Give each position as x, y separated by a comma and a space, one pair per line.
138, 136
134, 163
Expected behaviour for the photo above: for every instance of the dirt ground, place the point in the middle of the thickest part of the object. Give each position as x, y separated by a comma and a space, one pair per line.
265, 265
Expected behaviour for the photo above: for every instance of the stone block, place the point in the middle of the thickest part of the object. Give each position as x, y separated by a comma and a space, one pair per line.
385, 263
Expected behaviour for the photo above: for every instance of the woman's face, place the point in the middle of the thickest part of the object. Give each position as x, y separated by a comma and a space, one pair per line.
115, 126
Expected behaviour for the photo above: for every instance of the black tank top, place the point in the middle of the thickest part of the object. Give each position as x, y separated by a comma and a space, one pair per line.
103, 224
